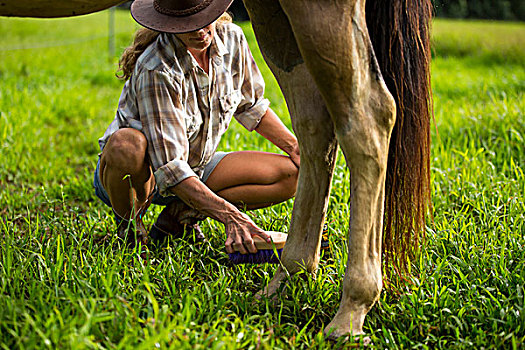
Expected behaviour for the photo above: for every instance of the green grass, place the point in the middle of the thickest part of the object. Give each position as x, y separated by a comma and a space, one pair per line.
59, 289
489, 41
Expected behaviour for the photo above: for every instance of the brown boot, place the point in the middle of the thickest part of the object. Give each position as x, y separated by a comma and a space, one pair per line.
177, 220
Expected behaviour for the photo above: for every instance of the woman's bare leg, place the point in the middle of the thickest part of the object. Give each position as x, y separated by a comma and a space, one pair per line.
126, 175
254, 179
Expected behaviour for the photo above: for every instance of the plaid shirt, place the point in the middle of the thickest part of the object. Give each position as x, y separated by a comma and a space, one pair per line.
182, 111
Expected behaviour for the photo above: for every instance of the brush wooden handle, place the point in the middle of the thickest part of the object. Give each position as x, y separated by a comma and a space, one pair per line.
278, 239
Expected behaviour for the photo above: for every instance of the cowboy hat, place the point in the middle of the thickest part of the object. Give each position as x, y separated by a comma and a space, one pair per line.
177, 16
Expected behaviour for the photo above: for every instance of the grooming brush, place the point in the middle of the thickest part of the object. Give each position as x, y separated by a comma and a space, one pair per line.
266, 252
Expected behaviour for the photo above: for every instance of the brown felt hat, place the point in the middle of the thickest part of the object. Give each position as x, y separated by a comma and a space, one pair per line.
177, 16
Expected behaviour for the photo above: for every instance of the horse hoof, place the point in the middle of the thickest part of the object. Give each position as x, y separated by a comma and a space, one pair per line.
352, 341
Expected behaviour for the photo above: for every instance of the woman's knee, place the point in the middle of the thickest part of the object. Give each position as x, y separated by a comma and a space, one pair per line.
126, 149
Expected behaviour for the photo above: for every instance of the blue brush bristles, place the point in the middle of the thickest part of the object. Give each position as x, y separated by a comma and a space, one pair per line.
267, 252
263, 256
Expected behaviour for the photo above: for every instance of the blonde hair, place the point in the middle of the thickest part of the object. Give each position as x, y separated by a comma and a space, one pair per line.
143, 38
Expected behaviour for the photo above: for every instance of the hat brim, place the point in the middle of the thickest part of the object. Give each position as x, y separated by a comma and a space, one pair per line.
145, 14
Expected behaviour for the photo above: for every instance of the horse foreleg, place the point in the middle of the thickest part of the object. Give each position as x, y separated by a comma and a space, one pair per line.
315, 132
318, 146
333, 40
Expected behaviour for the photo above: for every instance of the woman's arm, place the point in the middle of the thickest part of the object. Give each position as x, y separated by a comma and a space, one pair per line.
273, 129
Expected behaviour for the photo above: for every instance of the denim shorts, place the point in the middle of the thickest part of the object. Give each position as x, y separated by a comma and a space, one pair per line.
156, 197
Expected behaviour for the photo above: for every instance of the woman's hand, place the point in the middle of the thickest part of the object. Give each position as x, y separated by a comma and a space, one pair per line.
295, 155
240, 230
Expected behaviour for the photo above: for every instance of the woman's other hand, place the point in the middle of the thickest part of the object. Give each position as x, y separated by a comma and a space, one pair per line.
273, 129
295, 155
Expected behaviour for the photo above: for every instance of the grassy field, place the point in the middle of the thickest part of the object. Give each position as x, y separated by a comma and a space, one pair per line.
59, 289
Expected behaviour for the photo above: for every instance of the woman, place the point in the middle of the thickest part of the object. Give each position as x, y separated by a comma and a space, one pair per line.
192, 75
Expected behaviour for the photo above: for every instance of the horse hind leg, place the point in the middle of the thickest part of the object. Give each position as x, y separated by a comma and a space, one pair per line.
315, 133
333, 40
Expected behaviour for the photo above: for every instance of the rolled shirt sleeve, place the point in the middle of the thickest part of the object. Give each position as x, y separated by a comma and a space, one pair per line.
253, 105
163, 123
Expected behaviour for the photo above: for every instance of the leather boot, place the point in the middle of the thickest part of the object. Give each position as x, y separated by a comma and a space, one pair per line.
177, 220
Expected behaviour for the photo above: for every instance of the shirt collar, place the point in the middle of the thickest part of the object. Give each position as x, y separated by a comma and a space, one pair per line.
178, 52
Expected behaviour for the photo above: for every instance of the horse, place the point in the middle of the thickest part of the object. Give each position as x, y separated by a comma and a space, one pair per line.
355, 74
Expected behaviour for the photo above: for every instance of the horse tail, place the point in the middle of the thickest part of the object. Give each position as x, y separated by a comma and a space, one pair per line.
400, 34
